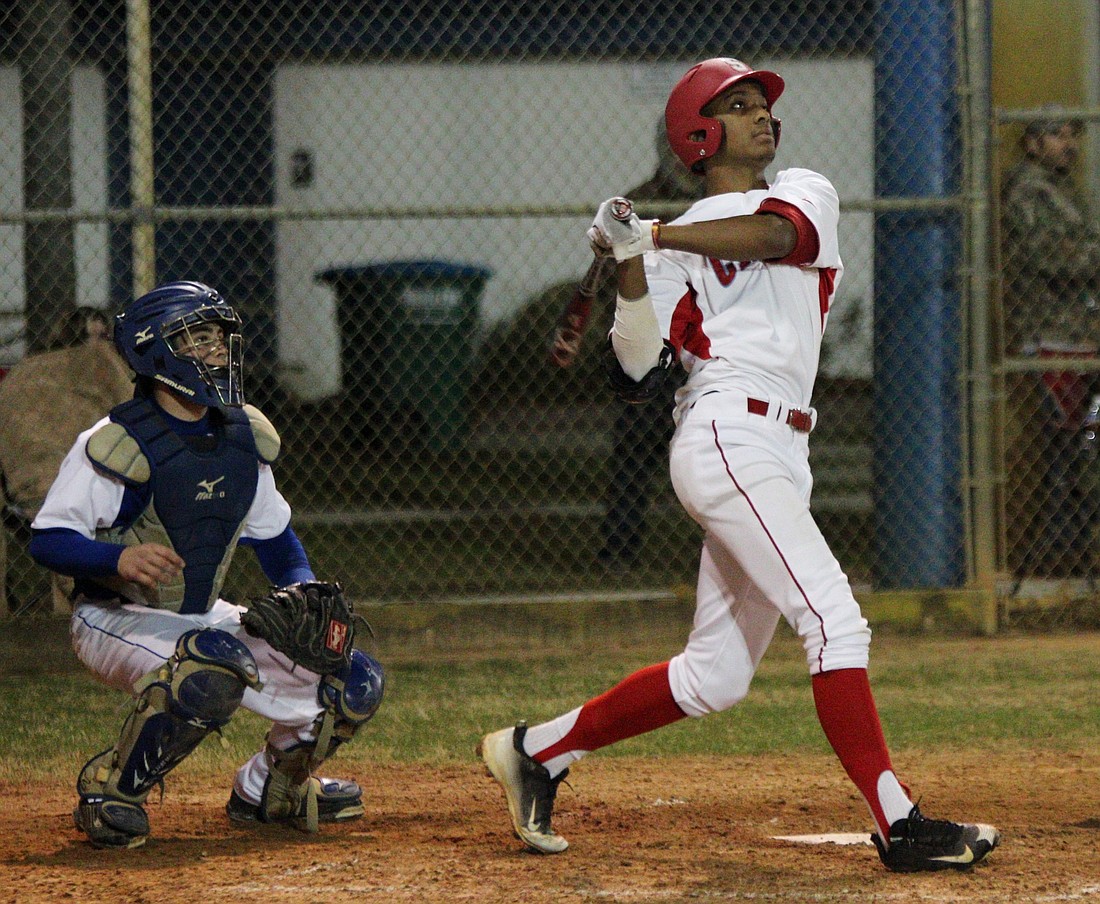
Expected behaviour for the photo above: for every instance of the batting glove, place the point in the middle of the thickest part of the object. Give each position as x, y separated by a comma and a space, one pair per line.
617, 227
599, 244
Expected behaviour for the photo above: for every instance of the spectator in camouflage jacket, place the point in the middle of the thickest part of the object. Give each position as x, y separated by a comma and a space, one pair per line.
1051, 244
1051, 251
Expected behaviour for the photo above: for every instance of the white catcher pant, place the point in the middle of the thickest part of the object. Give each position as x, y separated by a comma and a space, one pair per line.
120, 644
746, 480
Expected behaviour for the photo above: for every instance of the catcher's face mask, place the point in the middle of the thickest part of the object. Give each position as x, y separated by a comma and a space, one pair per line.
214, 348
184, 336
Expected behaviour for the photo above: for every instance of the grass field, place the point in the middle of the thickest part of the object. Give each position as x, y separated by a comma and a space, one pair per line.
454, 672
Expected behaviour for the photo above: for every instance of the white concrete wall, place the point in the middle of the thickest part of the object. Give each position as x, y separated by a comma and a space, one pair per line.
462, 135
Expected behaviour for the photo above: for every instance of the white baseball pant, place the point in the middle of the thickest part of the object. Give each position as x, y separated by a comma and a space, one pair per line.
746, 480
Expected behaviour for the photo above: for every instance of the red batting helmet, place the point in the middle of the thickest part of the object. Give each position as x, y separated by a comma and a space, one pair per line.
703, 82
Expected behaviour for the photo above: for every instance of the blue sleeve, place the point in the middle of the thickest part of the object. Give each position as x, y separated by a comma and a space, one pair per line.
282, 558
68, 552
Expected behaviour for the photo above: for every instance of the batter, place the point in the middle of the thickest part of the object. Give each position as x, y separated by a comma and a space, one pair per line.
737, 290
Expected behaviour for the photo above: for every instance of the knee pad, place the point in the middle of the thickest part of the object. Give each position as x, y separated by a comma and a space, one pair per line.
212, 670
195, 692
355, 692
350, 698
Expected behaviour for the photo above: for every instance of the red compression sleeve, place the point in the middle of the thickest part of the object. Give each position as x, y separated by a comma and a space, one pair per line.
637, 704
806, 244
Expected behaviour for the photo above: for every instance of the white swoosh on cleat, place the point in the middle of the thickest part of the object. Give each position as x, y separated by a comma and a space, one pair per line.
967, 856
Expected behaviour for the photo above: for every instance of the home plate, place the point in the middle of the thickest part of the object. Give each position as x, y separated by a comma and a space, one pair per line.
835, 838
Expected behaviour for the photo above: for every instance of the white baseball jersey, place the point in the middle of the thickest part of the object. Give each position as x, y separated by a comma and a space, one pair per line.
753, 326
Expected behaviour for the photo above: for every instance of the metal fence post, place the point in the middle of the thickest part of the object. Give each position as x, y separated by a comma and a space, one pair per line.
981, 498
140, 84
47, 175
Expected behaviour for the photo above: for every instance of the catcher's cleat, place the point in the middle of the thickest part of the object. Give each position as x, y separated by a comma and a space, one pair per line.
337, 800
528, 787
918, 844
111, 823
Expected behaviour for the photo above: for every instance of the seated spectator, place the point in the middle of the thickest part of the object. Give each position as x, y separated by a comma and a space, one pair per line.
45, 401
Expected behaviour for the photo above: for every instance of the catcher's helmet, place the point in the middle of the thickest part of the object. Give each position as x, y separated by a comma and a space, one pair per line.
695, 137
149, 330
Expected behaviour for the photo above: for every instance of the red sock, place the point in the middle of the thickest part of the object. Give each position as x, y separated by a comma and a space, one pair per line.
637, 704
847, 713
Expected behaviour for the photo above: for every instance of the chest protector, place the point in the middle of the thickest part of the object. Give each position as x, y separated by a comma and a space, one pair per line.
196, 499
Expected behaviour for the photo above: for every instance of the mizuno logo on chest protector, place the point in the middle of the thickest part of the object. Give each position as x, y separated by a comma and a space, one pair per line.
206, 488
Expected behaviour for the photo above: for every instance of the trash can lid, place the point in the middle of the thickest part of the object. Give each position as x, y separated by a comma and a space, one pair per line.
405, 269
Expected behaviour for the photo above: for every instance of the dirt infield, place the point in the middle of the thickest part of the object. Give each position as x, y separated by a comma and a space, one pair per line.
640, 830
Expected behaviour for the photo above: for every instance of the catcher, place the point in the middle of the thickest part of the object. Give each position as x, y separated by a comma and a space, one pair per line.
145, 514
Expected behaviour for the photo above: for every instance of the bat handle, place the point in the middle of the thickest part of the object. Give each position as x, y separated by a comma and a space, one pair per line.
621, 209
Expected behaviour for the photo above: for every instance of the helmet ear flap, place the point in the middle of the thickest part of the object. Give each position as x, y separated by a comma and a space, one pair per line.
699, 166
709, 139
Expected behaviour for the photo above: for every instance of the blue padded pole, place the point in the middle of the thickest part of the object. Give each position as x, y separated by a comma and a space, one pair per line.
916, 438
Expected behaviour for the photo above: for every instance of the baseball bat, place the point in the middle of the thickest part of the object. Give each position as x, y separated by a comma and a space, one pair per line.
573, 320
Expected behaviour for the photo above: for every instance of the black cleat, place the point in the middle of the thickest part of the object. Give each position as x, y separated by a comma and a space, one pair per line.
528, 787
919, 845
111, 823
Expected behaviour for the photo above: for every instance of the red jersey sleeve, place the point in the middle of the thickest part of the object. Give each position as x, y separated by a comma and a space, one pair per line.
806, 244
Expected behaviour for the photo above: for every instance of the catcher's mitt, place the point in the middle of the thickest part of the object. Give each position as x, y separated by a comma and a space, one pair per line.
311, 623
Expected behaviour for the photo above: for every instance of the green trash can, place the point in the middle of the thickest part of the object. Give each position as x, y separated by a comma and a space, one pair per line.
407, 335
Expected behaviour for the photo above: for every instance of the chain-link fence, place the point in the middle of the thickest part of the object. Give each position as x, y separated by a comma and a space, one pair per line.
395, 196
